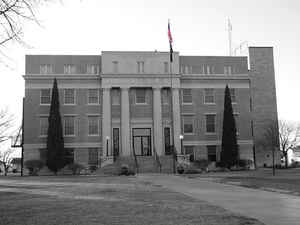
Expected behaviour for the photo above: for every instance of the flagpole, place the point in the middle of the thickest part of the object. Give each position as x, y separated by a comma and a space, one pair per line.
171, 92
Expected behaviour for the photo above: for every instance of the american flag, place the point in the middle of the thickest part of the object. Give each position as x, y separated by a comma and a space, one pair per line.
170, 41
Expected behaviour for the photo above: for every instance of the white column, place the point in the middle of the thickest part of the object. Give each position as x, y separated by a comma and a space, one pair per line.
106, 122
176, 120
125, 122
157, 121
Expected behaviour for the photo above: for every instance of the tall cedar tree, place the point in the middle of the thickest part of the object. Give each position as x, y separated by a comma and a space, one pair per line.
229, 153
55, 139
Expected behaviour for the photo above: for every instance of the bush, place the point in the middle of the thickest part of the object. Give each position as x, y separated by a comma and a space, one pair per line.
201, 163
34, 166
245, 163
125, 170
76, 168
93, 168
14, 170
180, 169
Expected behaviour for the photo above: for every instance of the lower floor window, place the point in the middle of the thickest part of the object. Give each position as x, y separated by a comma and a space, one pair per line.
212, 153
189, 150
43, 154
93, 156
69, 155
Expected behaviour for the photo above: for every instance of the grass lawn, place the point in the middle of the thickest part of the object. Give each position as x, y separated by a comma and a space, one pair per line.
87, 200
285, 180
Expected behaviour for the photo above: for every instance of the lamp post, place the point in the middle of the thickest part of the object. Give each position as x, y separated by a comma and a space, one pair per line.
107, 139
181, 143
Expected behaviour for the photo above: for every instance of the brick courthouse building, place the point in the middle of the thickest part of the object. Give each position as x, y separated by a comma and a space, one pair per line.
118, 103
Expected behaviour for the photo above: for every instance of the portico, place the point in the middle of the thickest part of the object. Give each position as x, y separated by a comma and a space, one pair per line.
148, 135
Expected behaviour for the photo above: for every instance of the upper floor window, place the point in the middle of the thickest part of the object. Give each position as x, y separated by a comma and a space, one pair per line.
93, 124
43, 126
115, 96
115, 66
45, 96
188, 124
93, 96
140, 67
69, 69
69, 125
69, 96
166, 67
92, 69
187, 96
166, 97
209, 96
211, 153
227, 69
46, 69
140, 96
210, 123
232, 95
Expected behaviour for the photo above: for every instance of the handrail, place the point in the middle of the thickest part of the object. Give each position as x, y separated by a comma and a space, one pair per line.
157, 159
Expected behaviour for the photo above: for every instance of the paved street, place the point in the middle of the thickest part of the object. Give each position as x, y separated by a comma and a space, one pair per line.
269, 207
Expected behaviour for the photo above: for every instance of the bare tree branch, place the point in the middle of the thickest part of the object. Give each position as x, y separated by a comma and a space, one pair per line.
5, 159
6, 125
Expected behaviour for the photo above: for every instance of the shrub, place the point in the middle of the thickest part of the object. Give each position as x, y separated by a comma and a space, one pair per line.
180, 169
76, 168
202, 163
34, 166
14, 170
93, 168
245, 163
125, 170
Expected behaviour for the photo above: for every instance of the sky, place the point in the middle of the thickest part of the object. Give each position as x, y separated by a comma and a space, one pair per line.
198, 28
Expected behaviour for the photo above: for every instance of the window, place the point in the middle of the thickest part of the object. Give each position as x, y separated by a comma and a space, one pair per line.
93, 156
189, 150
93, 123
115, 66
69, 69
166, 97
93, 96
46, 69
43, 154
187, 96
227, 70
69, 157
43, 126
69, 125
211, 153
140, 96
188, 124
209, 96
45, 97
69, 95
210, 123
92, 69
115, 96
166, 67
140, 67
232, 95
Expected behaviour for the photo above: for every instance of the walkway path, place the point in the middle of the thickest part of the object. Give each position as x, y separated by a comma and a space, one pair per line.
268, 207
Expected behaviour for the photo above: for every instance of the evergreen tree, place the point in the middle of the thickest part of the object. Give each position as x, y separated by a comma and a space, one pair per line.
55, 140
229, 153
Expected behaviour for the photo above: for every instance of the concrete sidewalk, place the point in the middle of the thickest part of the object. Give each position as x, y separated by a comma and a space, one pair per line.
268, 207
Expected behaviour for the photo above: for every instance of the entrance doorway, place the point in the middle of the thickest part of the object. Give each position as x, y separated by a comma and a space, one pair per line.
116, 142
142, 141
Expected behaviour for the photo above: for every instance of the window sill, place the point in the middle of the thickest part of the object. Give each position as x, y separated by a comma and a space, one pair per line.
209, 103
93, 135
210, 133
188, 134
141, 103
43, 136
186, 103
69, 135
69, 104
93, 104
45, 104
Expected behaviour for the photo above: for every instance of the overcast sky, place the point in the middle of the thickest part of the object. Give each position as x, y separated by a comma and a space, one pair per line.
198, 28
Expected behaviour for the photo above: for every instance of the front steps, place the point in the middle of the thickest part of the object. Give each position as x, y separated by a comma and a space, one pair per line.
146, 164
